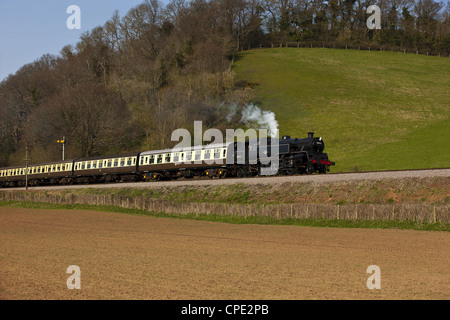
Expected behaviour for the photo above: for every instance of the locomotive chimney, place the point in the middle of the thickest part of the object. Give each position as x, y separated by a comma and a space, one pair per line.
310, 134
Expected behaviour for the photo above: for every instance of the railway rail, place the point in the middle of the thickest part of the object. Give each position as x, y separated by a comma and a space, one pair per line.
314, 178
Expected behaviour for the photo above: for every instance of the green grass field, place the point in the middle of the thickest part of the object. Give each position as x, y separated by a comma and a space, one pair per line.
375, 110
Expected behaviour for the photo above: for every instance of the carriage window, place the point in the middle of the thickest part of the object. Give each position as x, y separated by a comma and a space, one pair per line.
198, 155
188, 156
152, 159
116, 162
129, 162
176, 157
159, 158
216, 153
167, 158
100, 164
207, 154
122, 162
88, 166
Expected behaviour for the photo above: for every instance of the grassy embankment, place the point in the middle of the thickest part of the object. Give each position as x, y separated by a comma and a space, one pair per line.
432, 192
375, 110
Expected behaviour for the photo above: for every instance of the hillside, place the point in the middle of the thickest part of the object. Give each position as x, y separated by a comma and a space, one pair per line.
375, 110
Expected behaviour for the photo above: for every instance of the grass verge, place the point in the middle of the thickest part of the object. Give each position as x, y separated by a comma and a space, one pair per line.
335, 223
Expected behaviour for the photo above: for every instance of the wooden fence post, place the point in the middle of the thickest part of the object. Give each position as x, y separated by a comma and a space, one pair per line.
434, 214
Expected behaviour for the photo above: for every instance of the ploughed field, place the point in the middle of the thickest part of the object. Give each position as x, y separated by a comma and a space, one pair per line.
136, 257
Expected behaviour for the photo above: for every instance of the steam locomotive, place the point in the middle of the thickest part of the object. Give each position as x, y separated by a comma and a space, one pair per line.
285, 156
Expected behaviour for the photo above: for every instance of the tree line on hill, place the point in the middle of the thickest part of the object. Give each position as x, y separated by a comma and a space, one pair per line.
126, 85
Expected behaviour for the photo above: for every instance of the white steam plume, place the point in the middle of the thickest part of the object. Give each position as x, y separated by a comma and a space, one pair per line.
252, 115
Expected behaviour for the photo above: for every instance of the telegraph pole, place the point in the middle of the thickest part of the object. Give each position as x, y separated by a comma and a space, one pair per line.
26, 167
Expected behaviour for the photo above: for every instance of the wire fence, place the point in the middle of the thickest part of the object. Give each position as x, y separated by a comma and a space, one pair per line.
422, 213
350, 46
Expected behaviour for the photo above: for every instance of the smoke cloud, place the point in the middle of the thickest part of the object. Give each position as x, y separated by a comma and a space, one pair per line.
254, 117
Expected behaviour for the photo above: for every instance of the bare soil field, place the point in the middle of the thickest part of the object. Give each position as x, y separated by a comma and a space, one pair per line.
135, 257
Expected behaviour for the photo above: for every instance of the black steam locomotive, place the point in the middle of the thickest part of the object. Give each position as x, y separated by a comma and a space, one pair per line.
292, 156
284, 156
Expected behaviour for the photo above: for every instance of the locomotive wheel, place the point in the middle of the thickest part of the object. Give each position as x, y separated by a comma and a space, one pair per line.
240, 172
291, 171
309, 168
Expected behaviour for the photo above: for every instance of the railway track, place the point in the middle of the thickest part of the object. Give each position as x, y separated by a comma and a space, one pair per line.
315, 178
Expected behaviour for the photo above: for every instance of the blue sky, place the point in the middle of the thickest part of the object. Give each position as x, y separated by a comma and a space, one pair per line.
31, 28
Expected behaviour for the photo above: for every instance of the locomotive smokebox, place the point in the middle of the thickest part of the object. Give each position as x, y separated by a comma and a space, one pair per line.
310, 134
